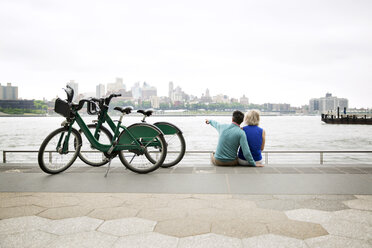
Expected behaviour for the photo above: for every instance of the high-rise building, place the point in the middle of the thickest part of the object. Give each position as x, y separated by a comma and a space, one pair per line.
8, 92
207, 93
327, 103
244, 100
221, 98
170, 90
116, 87
136, 91
148, 91
100, 91
75, 87
155, 101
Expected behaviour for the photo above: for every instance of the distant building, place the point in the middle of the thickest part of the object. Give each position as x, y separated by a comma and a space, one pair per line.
148, 91
116, 87
206, 98
170, 90
136, 91
176, 94
100, 91
8, 92
75, 87
155, 101
327, 103
277, 107
221, 99
19, 104
244, 100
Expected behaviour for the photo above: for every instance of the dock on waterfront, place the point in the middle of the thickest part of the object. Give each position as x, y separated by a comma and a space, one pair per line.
195, 206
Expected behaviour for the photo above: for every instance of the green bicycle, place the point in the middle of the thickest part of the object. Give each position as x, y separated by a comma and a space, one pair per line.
59, 150
172, 135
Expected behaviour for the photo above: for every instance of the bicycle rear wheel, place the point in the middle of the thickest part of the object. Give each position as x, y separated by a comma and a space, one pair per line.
89, 154
51, 158
151, 140
176, 145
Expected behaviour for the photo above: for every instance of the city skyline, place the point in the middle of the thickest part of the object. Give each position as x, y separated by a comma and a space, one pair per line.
101, 90
287, 51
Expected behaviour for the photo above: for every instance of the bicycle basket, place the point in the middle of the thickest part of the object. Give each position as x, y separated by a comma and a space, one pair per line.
62, 107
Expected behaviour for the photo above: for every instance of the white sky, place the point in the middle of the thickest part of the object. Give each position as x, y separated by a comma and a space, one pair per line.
271, 51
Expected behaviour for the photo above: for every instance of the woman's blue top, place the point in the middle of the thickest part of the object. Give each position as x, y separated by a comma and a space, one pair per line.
254, 138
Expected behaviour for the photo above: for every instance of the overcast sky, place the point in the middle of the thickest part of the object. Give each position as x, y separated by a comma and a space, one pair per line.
285, 51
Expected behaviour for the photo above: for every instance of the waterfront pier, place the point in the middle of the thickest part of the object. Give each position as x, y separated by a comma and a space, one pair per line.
194, 204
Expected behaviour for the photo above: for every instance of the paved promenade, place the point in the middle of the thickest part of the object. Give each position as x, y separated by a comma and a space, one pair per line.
200, 206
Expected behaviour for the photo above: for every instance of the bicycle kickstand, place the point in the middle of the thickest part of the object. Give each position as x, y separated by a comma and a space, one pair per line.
108, 168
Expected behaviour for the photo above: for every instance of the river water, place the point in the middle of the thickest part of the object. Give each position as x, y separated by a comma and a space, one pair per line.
282, 133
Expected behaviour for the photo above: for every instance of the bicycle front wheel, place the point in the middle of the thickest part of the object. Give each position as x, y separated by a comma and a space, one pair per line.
51, 158
152, 142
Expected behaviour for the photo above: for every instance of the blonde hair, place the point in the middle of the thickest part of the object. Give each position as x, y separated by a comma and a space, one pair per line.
252, 118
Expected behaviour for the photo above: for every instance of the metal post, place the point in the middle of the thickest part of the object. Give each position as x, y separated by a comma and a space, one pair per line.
4, 157
321, 157
266, 158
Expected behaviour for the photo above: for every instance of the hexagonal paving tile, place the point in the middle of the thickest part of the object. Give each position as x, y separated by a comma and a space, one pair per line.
321, 204
20, 224
100, 201
150, 240
146, 203
295, 197
161, 214
309, 215
189, 203
253, 197
182, 227
234, 204
277, 204
296, 229
353, 215
53, 201
273, 241
84, 239
127, 226
209, 240
211, 214
261, 215
364, 197
171, 196
18, 201
336, 197
113, 213
27, 239
330, 241
211, 196
361, 204
71, 225
12, 212
65, 212
238, 228
348, 229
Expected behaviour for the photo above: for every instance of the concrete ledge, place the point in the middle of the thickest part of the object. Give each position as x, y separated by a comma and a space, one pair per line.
210, 180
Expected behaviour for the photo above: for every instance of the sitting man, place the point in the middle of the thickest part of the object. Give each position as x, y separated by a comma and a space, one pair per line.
230, 137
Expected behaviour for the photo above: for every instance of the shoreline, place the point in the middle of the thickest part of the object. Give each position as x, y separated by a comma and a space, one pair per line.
155, 115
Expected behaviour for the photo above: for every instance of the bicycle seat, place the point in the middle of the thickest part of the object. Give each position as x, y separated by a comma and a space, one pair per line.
145, 112
126, 110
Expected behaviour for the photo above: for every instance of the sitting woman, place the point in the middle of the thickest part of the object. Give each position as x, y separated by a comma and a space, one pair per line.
255, 136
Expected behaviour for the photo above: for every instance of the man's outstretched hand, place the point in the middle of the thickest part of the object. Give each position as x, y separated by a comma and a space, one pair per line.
206, 121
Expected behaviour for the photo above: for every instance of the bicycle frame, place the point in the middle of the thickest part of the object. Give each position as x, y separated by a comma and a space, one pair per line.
127, 142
